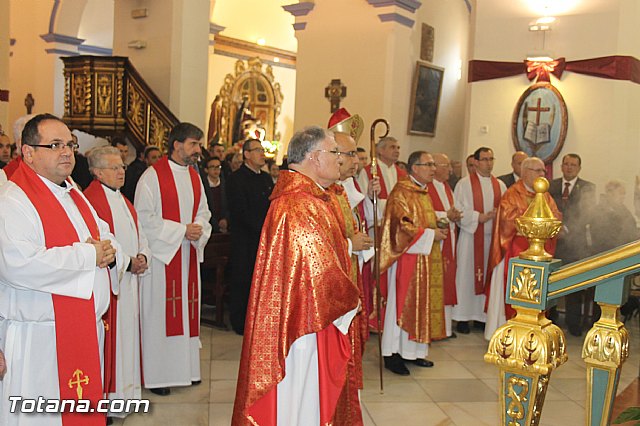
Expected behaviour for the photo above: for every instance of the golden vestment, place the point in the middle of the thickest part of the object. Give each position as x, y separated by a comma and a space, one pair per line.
301, 284
348, 411
408, 213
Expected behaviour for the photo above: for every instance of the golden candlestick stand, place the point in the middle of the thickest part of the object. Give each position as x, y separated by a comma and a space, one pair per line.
528, 347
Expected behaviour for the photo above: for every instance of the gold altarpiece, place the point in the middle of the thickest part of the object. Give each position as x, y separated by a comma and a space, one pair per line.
263, 94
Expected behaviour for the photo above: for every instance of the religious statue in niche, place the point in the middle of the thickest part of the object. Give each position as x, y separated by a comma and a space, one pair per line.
249, 105
540, 121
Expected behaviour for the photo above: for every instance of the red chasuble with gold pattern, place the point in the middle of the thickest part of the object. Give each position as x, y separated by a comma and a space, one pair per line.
301, 284
505, 241
419, 278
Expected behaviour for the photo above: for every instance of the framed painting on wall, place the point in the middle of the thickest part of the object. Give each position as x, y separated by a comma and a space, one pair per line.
425, 99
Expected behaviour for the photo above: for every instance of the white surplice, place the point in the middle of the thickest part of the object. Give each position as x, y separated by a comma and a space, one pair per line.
174, 360
3, 177
442, 194
298, 394
29, 275
470, 305
388, 175
127, 378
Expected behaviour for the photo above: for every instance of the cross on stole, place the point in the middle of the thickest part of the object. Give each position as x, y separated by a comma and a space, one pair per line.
174, 298
479, 274
538, 109
79, 382
193, 301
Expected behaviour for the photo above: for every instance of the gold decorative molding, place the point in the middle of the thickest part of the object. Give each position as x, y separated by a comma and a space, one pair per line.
528, 341
526, 350
106, 96
608, 341
245, 50
605, 349
525, 287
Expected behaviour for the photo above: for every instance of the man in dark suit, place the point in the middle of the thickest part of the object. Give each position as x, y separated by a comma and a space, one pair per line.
574, 197
516, 164
248, 191
214, 189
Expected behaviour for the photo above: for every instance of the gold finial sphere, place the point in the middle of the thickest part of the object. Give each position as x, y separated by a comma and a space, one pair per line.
540, 185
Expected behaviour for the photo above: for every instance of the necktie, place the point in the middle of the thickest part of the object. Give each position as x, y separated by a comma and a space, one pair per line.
565, 194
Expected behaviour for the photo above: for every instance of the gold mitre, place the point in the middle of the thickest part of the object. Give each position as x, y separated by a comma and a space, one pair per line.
343, 122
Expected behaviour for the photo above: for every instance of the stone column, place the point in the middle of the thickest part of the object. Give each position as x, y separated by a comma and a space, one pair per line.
169, 47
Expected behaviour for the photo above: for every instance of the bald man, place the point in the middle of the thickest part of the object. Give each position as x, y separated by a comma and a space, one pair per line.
516, 164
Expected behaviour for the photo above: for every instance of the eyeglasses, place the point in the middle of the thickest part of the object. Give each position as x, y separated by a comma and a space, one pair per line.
260, 149
428, 164
57, 146
214, 167
117, 168
443, 165
537, 170
334, 152
351, 154
487, 159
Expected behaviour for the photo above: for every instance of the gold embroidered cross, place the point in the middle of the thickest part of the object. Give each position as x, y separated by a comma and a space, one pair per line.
479, 274
193, 301
79, 382
174, 298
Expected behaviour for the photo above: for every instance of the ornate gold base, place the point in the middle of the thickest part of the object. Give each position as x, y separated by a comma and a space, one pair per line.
526, 349
605, 349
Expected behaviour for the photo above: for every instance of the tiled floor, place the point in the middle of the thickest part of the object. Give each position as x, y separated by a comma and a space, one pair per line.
460, 390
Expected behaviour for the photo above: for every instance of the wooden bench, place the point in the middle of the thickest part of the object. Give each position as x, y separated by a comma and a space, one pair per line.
214, 282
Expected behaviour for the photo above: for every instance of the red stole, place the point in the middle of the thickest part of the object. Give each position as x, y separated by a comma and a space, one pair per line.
384, 192
478, 237
12, 166
448, 251
98, 199
77, 345
173, 271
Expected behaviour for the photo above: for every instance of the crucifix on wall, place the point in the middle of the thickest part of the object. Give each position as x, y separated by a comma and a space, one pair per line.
335, 92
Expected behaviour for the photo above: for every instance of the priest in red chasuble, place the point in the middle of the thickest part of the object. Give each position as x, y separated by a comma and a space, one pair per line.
296, 340
507, 243
412, 262
360, 245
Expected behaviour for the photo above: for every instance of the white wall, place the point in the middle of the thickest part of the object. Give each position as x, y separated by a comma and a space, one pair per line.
376, 61
603, 114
